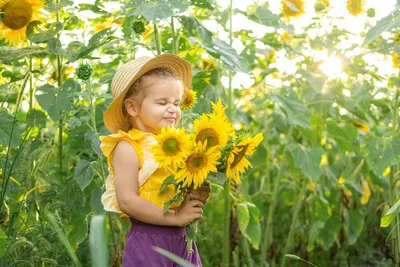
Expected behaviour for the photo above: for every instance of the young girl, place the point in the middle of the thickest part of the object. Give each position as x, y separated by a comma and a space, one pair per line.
147, 93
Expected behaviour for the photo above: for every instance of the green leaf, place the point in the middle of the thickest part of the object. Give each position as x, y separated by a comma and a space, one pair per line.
168, 181
78, 230
316, 82
330, 232
3, 243
343, 135
54, 7
314, 232
253, 230
94, 139
387, 219
93, 8
209, 4
382, 153
44, 36
36, 118
266, 17
173, 257
54, 46
291, 256
83, 173
217, 177
307, 160
228, 55
98, 241
243, 216
6, 125
154, 12
385, 24
195, 28
12, 54
296, 111
95, 200
354, 225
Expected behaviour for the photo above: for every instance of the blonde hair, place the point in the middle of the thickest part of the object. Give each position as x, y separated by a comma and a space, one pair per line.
137, 92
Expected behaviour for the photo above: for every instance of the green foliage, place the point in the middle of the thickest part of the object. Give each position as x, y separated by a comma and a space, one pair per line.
336, 134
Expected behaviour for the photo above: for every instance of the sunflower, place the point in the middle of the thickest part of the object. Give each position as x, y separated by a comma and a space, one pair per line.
213, 129
189, 100
200, 162
237, 163
292, 8
172, 147
355, 7
219, 114
17, 16
395, 60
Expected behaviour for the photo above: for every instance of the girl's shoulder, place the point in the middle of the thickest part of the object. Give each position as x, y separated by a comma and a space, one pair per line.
135, 137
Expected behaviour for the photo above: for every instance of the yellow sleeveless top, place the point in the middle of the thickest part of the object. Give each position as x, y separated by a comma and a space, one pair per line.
150, 176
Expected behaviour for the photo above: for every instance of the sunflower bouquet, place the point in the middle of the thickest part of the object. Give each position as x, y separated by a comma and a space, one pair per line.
213, 151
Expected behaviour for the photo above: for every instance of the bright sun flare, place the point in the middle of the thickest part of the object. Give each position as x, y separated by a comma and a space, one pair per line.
332, 67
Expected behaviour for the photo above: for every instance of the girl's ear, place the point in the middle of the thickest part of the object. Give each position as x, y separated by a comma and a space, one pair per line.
131, 107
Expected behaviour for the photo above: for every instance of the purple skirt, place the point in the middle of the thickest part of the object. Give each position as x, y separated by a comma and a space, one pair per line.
141, 239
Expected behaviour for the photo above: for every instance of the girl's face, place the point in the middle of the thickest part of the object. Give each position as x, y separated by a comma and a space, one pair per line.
160, 106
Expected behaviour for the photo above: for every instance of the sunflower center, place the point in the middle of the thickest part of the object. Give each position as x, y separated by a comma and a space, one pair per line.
238, 157
171, 146
17, 14
210, 135
195, 162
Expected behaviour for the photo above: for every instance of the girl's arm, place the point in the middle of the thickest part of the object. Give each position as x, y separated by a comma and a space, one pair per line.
126, 168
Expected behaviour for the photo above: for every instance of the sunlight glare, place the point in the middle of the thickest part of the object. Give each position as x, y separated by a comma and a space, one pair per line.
332, 67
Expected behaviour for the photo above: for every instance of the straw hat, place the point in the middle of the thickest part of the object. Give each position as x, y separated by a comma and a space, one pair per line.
128, 73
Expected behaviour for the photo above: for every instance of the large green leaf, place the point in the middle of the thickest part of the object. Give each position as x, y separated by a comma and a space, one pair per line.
36, 118
228, 56
243, 216
344, 135
266, 17
387, 219
83, 173
78, 230
296, 111
155, 11
11, 54
382, 153
316, 82
330, 232
6, 126
44, 36
354, 225
253, 230
54, 102
385, 24
98, 241
307, 160
196, 28
3, 243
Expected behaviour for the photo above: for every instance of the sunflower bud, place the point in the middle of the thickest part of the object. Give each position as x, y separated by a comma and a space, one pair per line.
139, 26
371, 12
84, 71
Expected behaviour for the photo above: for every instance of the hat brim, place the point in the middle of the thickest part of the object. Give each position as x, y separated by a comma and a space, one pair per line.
114, 119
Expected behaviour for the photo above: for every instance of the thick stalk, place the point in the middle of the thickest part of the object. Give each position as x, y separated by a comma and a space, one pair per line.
392, 183
157, 39
6, 172
174, 39
274, 201
31, 89
296, 211
227, 205
60, 122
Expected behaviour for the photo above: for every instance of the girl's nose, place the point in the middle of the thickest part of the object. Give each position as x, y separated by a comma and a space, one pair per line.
172, 108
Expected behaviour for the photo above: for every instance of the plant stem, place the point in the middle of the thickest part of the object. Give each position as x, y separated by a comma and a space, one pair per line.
227, 204
157, 39
296, 211
31, 89
174, 39
60, 122
274, 202
392, 183
4, 185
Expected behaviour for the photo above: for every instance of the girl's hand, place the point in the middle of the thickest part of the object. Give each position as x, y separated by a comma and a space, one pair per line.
188, 211
201, 193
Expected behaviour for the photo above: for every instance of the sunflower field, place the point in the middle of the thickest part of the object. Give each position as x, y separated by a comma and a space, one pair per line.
318, 79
